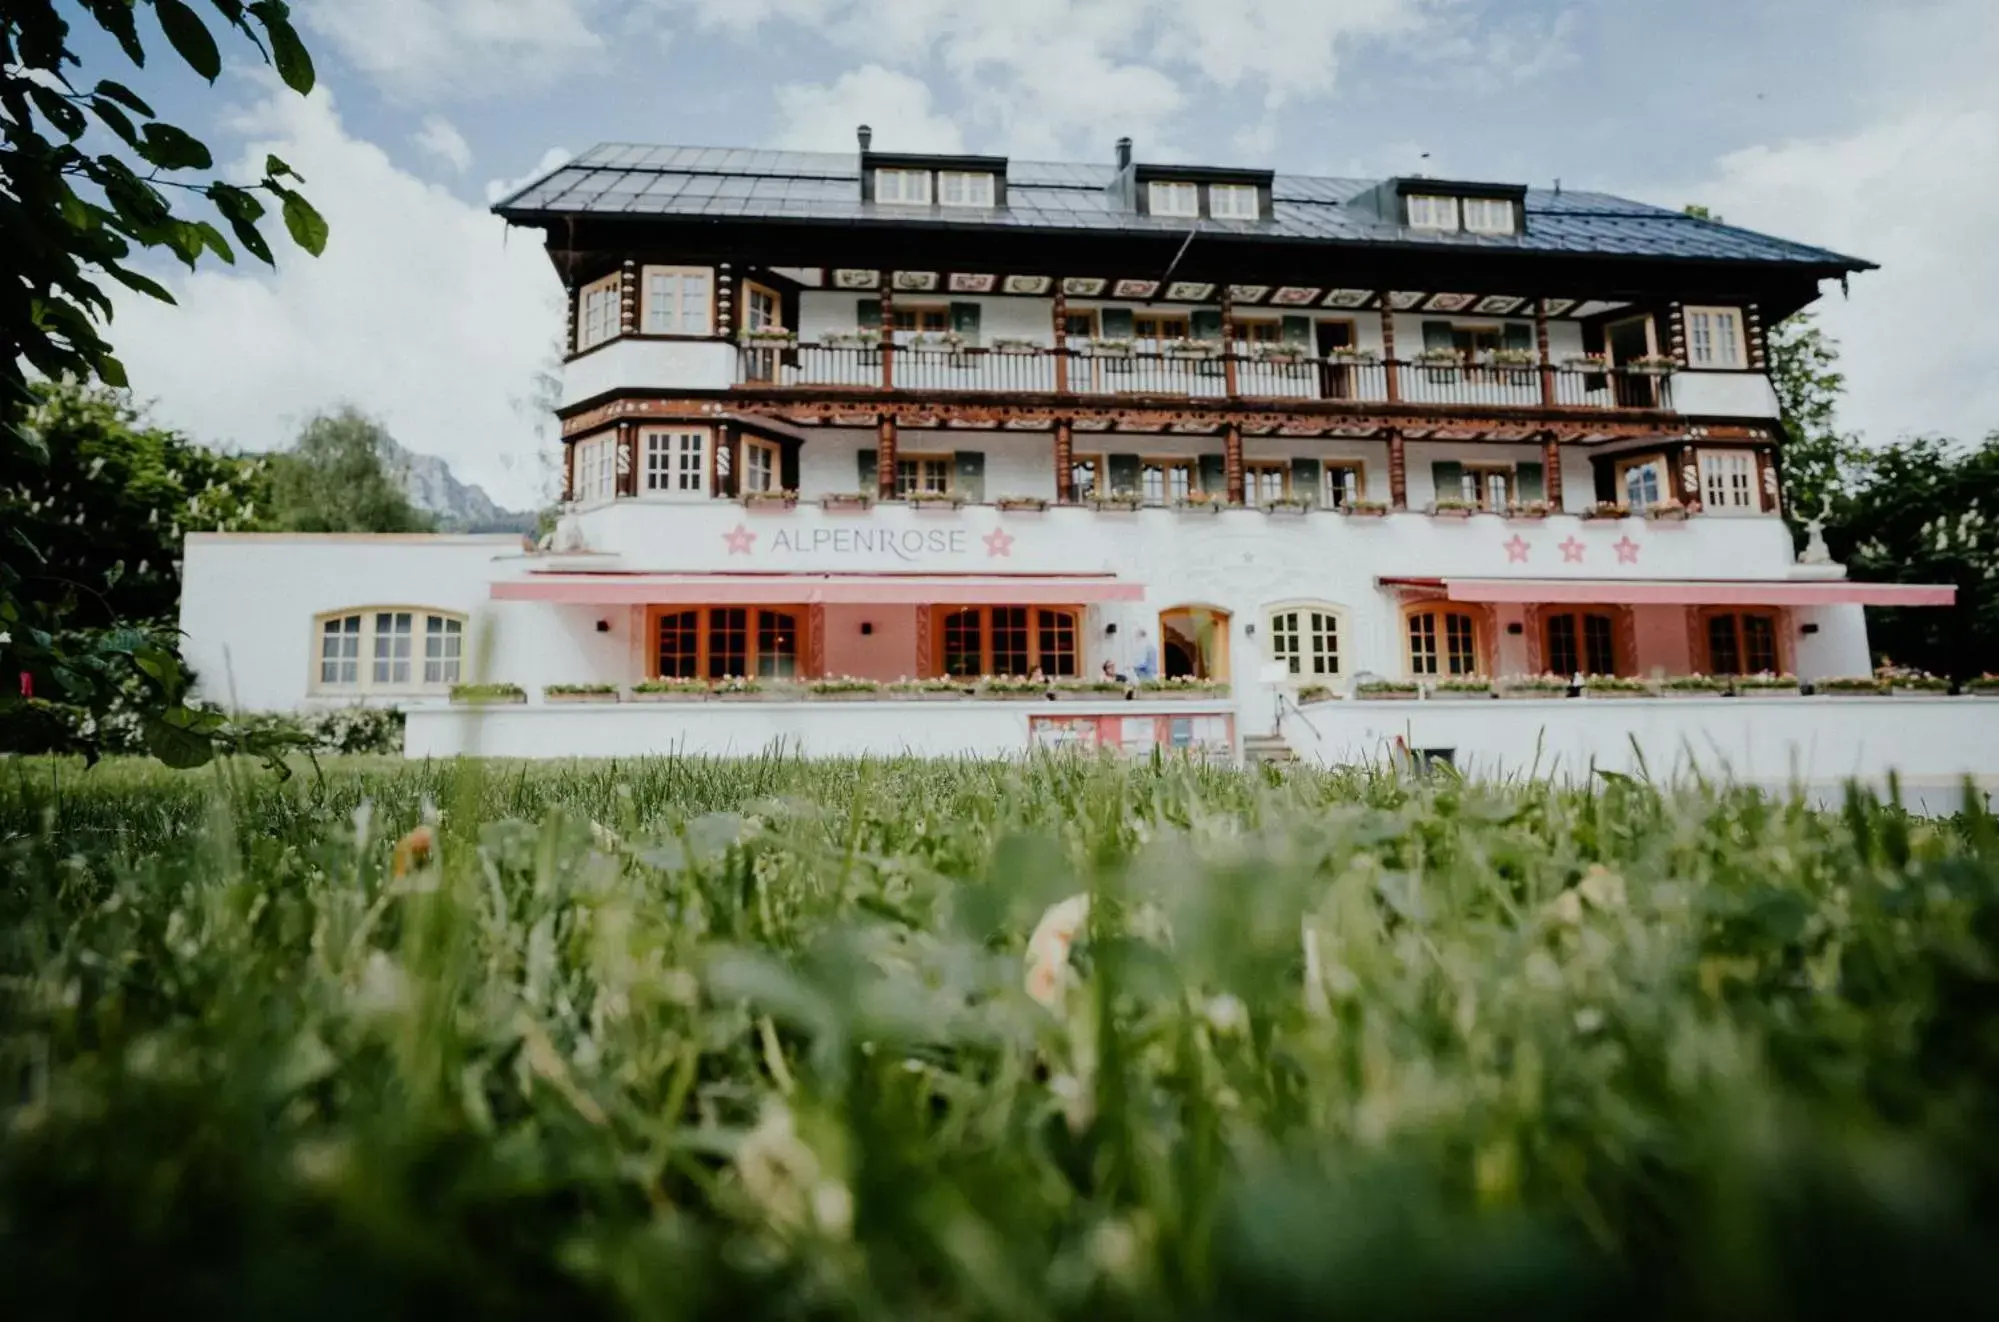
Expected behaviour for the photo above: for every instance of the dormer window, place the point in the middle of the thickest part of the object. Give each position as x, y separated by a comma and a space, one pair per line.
958, 188
1173, 198
905, 187
1487, 215
1232, 201
1429, 211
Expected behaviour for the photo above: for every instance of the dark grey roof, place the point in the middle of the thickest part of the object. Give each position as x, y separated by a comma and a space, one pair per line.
722, 182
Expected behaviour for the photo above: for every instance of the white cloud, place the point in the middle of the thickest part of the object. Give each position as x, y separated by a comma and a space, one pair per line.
422, 311
429, 50
499, 188
441, 138
823, 117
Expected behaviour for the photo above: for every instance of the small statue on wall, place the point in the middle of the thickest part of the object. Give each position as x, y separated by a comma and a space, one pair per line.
1816, 552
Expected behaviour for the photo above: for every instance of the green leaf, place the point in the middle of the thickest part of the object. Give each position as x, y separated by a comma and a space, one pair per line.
277, 169
308, 228
111, 372
123, 95
171, 738
171, 148
288, 53
190, 37
133, 280
218, 245
115, 17
236, 203
246, 234
116, 119
68, 120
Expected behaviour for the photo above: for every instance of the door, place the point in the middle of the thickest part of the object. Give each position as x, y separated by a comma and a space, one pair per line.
1194, 643
1335, 379
1625, 341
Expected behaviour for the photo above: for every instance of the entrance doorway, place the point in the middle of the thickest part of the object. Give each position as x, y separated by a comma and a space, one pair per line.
1335, 379
1194, 643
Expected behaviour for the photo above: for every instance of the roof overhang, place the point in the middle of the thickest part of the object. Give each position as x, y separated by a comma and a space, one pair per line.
635, 589
1682, 592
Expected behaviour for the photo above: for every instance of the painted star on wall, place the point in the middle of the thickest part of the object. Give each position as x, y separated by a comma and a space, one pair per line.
1516, 549
1627, 550
999, 542
739, 541
1572, 551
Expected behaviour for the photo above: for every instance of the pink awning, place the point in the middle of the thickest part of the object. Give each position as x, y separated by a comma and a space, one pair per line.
818, 589
1689, 592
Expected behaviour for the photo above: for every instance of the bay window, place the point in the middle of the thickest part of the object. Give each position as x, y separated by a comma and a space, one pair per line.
400, 649
1714, 338
676, 461
1728, 481
597, 312
678, 300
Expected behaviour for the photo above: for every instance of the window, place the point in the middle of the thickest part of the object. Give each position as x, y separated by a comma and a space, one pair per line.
1714, 338
922, 473
677, 300
1580, 642
1258, 331
597, 317
1011, 640
1265, 482
1728, 481
1306, 639
1487, 215
761, 308
760, 465
922, 319
1427, 211
1487, 486
1442, 643
1476, 342
1345, 483
905, 187
376, 650
676, 461
1233, 201
1642, 481
1159, 328
1086, 476
1741, 643
1163, 480
595, 469
726, 642
957, 188
1173, 199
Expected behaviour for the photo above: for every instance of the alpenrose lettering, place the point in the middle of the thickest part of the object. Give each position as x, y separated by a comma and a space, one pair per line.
905, 544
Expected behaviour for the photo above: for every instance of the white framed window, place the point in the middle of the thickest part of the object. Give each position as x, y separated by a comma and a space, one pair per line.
761, 308
1233, 201
1345, 484
1306, 637
597, 312
760, 465
1643, 481
1171, 198
676, 461
678, 300
595, 465
1728, 481
964, 188
931, 473
377, 649
1263, 483
1164, 480
903, 187
1488, 487
1430, 211
1487, 215
1714, 338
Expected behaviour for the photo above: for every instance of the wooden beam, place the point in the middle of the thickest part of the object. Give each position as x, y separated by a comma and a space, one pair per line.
1541, 348
1061, 338
1551, 469
1232, 463
1065, 461
888, 330
1398, 471
1228, 342
1387, 297
885, 459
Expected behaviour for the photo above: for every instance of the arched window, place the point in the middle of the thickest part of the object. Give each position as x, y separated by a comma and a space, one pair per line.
1581, 642
1442, 641
1306, 637
726, 642
388, 649
1010, 640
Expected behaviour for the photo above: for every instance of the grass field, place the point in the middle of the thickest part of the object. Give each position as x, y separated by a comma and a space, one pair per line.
753, 1039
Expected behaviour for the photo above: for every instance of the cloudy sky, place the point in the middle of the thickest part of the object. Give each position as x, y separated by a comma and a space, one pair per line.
1869, 128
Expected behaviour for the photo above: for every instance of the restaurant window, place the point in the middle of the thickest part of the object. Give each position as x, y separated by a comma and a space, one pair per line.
924, 473
398, 649
1345, 484
726, 642
597, 312
1306, 639
1581, 643
1741, 643
1442, 642
677, 300
1728, 481
1011, 640
1166, 480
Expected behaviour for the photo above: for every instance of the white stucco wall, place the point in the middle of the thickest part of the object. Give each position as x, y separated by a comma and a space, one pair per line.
1724, 395
692, 364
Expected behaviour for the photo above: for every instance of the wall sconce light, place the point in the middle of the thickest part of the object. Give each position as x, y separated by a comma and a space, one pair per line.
1249, 630
866, 628
1808, 628
1516, 628
603, 626
1110, 631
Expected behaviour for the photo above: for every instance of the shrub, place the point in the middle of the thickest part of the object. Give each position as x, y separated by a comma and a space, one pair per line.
843, 684
487, 693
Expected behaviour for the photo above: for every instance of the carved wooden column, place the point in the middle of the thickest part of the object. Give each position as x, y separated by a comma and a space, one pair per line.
885, 460
1752, 332
1388, 349
1228, 342
888, 343
628, 298
569, 470
1065, 461
628, 459
1551, 469
725, 301
1541, 348
1676, 333
1061, 345
1232, 463
815, 642
1398, 471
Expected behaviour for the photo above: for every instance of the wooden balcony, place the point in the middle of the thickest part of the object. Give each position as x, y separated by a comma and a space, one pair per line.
1084, 373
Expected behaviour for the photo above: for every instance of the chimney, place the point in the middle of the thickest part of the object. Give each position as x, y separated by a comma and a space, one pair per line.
1124, 153
866, 135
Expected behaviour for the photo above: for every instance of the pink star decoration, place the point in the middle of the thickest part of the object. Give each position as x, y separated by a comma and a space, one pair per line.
999, 542
740, 541
1572, 551
1516, 550
1627, 550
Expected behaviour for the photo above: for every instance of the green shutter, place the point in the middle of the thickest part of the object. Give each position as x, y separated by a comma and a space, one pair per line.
1207, 324
1448, 477
1116, 323
1214, 475
1517, 335
1296, 330
1126, 476
965, 321
969, 483
1437, 335
870, 473
787, 465
1527, 483
1305, 479
868, 313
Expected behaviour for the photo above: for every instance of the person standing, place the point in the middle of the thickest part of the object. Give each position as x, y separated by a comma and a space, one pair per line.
1147, 665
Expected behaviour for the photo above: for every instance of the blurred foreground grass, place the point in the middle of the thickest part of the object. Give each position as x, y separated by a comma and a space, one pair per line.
686, 1038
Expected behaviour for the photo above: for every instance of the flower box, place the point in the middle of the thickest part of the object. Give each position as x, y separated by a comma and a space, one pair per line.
934, 500
671, 690
936, 689
1100, 348
1126, 504
1153, 690
1693, 686
1287, 505
1513, 359
770, 500
1018, 504
1671, 510
847, 501
1347, 357
1459, 690
559, 693
488, 695
737, 690
1586, 362
1931, 688
1191, 348
851, 339
946, 341
1615, 686
1390, 690
1280, 353
1533, 509
1452, 509
1652, 365
1199, 501
1766, 686
1985, 686
1311, 694
1607, 509
1850, 686
1013, 344
840, 692
1094, 690
770, 337
1013, 690
1541, 687
1364, 509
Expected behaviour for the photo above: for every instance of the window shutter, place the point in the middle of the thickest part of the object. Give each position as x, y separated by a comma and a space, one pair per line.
1116, 323
1606, 480
965, 321
869, 474
1515, 335
787, 465
1207, 324
1437, 335
1527, 483
868, 313
1296, 330
1214, 475
1305, 479
969, 482
1125, 470
1447, 477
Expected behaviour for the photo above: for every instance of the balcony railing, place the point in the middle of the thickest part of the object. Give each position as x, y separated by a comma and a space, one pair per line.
1090, 372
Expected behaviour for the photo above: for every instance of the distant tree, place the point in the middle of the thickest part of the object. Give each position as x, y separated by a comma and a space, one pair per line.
1819, 462
339, 477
